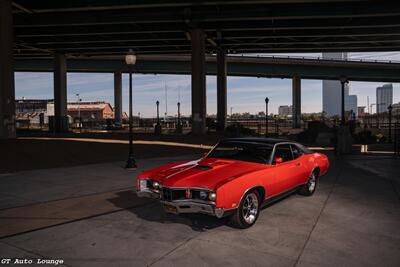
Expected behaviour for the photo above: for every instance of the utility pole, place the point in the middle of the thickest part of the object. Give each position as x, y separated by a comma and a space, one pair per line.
166, 102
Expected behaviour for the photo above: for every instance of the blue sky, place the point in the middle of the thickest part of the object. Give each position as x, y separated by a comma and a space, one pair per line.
245, 94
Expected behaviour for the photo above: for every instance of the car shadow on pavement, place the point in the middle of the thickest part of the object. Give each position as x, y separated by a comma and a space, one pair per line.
153, 211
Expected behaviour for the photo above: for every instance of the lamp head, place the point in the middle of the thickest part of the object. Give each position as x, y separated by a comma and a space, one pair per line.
266, 100
130, 58
344, 79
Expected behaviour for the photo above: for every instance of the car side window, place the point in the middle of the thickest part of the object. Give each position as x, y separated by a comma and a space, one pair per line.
296, 152
284, 152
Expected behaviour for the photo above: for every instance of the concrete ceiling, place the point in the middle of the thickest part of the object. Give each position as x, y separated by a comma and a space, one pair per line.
111, 27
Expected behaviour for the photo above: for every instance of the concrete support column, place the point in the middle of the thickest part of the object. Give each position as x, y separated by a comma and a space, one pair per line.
296, 101
60, 123
7, 90
221, 90
117, 98
343, 81
199, 108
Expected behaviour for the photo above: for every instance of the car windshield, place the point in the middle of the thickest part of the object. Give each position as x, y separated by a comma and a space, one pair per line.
245, 151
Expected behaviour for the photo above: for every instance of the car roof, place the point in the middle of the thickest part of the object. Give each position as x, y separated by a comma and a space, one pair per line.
261, 140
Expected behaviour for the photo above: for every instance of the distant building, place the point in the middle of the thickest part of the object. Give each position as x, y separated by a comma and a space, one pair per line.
384, 97
32, 111
285, 110
361, 111
90, 110
31, 105
396, 109
37, 111
332, 92
350, 104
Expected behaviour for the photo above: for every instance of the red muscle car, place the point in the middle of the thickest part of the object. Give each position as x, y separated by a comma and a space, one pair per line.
236, 178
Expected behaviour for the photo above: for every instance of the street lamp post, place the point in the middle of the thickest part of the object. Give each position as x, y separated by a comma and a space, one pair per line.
158, 126
130, 60
179, 128
266, 116
79, 111
390, 122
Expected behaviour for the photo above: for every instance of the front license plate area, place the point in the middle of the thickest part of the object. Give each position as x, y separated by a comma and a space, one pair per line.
170, 209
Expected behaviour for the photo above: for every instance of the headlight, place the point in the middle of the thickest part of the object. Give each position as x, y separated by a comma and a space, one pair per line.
156, 185
143, 184
212, 196
203, 195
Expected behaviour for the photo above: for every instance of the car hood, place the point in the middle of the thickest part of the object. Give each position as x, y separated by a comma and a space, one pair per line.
205, 173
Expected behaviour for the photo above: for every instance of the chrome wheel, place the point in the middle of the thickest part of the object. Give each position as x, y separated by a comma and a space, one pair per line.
250, 208
312, 180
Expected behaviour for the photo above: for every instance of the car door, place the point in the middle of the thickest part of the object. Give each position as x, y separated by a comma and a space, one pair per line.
301, 172
285, 172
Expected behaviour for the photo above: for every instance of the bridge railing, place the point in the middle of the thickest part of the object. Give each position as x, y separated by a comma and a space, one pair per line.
318, 58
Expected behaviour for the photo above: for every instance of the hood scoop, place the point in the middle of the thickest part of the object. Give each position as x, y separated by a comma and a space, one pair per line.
202, 167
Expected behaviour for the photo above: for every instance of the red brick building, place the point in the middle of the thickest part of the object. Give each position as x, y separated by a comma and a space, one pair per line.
91, 110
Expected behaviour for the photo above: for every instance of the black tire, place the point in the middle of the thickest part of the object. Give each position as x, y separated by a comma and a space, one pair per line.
244, 218
308, 188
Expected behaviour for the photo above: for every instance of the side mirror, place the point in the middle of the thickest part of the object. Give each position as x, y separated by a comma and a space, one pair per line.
278, 160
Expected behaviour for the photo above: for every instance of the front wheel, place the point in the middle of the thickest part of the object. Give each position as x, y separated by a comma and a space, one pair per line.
247, 212
309, 188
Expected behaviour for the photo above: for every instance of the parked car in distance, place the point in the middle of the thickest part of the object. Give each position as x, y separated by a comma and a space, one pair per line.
236, 178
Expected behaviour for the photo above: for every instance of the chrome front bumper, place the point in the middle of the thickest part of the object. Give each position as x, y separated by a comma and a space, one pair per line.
187, 206
148, 193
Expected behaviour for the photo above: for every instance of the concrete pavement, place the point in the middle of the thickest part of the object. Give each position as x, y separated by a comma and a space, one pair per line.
352, 220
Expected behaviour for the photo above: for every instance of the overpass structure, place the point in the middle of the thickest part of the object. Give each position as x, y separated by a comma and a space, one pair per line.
250, 66
94, 35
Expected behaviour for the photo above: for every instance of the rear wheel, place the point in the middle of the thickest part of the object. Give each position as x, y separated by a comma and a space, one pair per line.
309, 188
247, 212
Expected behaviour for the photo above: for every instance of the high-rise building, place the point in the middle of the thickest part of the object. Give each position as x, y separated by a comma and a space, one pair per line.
350, 104
285, 110
332, 92
384, 97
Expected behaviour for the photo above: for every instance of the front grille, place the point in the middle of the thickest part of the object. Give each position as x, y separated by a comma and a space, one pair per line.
168, 194
173, 194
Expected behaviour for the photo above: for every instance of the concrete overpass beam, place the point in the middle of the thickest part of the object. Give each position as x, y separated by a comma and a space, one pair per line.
296, 101
118, 98
221, 90
7, 89
60, 123
199, 108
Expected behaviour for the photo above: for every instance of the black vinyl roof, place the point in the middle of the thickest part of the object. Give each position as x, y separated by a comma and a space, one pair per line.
267, 141
263, 140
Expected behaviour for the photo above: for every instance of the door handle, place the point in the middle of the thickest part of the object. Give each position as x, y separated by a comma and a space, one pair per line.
298, 164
